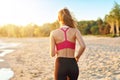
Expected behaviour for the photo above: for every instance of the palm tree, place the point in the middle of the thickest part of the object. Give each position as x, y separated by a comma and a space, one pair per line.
117, 26
111, 21
116, 13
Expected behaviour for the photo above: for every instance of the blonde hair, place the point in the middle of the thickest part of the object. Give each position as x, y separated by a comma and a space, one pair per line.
65, 17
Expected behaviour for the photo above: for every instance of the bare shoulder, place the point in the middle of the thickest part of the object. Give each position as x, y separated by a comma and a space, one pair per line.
72, 29
53, 31
78, 33
76, 30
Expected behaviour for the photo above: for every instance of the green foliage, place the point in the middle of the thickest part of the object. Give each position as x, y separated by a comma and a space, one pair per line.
85, 26
94, 30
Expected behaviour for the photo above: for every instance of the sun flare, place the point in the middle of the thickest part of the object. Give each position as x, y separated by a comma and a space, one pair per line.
22, 12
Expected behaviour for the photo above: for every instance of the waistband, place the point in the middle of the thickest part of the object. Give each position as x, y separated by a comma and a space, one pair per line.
64, 58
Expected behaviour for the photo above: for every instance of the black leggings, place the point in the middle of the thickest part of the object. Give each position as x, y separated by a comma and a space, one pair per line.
66, 67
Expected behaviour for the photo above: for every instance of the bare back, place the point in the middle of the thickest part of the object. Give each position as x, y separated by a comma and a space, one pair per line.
59, 37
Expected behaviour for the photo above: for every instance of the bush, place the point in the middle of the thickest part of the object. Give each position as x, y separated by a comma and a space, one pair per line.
86, 30
94, 30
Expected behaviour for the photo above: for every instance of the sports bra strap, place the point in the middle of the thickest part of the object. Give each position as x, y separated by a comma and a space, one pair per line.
65, 30
66, 43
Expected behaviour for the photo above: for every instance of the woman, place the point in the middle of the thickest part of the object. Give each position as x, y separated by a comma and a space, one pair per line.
62, 44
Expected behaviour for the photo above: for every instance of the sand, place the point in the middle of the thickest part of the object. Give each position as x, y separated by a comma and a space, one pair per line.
5, 71
31, 59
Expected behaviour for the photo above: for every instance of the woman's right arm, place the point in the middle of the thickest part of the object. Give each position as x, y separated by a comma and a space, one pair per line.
52, 45
81, 43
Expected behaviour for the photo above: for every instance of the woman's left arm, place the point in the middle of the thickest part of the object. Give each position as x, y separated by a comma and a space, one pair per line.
52, 45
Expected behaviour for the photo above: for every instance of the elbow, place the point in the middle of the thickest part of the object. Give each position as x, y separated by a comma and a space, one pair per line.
83, 47
52, 54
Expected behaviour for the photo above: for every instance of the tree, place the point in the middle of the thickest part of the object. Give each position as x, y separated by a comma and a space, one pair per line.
100, 25
113, 19
94, 30
116, 13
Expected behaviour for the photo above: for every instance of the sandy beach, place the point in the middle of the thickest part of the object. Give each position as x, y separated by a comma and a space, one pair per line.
31, 59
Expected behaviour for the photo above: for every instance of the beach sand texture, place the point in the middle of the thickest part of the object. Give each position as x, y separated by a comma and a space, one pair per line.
31, 59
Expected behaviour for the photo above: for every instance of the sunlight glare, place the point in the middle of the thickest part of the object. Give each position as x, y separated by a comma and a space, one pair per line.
22, 12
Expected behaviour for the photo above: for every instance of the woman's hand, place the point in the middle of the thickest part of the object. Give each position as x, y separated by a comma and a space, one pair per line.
77, 59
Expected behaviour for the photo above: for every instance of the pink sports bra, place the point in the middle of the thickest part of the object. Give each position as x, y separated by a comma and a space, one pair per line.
66, 43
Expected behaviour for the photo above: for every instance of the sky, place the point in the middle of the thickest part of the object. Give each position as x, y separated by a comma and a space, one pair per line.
23, 12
